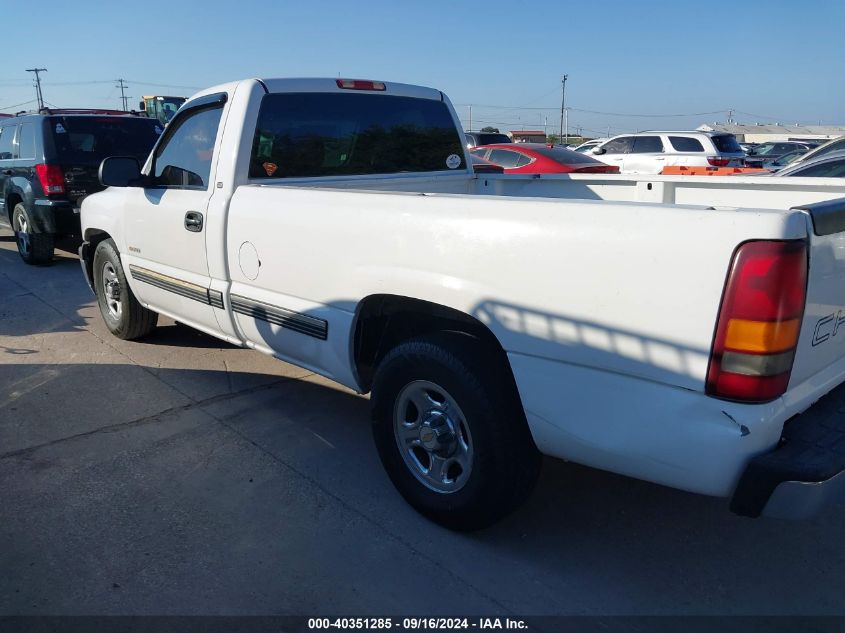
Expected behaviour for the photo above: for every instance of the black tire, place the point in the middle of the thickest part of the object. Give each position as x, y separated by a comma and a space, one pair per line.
126, 319
505, 463
34, 248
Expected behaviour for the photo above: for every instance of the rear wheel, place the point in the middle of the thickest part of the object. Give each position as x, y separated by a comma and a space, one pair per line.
34, 248
123, 314
451, 432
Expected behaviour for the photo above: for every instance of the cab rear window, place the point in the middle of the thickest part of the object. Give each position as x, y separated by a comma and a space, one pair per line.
332, 134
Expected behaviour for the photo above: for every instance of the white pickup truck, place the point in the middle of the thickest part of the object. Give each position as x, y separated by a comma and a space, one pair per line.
677, 330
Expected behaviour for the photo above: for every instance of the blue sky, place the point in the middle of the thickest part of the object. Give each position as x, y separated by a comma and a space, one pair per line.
770, 61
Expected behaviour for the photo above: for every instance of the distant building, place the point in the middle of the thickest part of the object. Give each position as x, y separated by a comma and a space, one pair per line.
527, 136
776, 132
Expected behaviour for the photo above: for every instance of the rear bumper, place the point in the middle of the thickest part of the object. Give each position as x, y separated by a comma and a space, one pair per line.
805, 472
56, 216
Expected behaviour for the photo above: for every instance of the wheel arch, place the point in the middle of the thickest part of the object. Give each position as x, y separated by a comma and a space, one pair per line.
384, 320
92, 238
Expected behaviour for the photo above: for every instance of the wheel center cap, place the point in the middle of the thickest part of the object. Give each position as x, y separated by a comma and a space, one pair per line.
436, 434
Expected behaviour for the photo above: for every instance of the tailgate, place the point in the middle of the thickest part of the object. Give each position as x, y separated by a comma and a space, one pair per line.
822, 338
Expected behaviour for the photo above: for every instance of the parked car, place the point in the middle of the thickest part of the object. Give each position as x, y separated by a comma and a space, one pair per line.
539, 158
49, 163
651, 152
834, 145
776, 164
476, 139
772, 150
831, 165
493, 320
588, 145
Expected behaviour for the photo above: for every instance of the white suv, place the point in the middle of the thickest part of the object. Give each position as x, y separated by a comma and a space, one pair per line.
650, 152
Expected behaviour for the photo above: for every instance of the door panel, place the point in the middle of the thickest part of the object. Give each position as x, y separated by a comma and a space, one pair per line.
165, 223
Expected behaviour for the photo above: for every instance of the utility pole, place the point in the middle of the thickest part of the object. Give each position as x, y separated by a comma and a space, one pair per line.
121, 83
470, 118
562, 104
38, 84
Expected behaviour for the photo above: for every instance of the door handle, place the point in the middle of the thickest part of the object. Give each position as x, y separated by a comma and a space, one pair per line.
193, 221
7, 172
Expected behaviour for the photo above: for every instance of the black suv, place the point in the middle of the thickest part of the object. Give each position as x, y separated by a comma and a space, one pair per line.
49, 162
476, 139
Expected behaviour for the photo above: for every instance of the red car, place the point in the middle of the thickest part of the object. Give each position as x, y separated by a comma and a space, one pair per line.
539, 158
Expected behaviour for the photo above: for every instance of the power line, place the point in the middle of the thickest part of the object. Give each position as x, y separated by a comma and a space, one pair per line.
145, 83
624, 114
18, 104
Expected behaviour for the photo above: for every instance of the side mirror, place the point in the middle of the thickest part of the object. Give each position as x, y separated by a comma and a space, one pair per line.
598, 151
120, 171
142, 106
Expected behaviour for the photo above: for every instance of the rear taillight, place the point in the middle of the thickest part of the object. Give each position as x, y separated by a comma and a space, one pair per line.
359, 84
719, 162
759, 321
52, 179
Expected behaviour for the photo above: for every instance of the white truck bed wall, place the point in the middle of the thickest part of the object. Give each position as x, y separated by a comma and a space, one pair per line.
548, 277
758, 192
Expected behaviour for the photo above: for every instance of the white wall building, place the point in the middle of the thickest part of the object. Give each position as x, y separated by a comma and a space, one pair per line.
776, 132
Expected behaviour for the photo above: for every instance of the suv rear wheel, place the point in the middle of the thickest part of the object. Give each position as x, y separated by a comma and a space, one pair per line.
34, 248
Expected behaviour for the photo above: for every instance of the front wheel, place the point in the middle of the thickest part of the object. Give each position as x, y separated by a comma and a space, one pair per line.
451, 432
123, 314
34, 248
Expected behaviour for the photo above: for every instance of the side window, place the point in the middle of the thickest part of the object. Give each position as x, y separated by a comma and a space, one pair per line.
26, 141
184, 157
838, 146
7, 135
621, 145
686, 144
505, 158
523, 160
647, 145
833, 169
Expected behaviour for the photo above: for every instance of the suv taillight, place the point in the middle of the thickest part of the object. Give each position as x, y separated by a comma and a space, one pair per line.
719, 162
52, 179
759, 321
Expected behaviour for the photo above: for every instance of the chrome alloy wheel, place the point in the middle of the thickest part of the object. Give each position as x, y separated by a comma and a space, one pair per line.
111, 291
433, 436
21, 228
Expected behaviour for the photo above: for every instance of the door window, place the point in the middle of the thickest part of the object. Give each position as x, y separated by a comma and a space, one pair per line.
686, 144
505, 158
26, 141
183, 160
647, 145
7, 135
621, 145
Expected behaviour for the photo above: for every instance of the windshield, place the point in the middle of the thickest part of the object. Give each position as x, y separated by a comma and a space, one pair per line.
90, 139
491, 138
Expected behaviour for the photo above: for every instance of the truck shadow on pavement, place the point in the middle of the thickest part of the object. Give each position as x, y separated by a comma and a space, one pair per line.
283, 465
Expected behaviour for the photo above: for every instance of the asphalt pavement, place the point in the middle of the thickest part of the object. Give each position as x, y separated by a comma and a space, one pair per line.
182, 475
